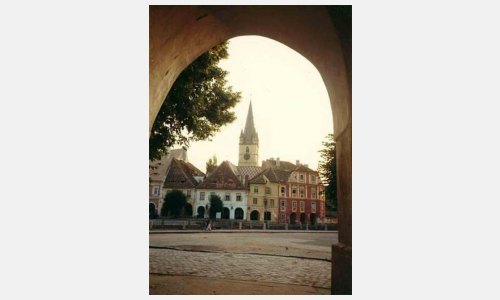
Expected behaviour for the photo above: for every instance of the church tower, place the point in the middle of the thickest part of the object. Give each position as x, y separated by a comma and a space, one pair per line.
249, 143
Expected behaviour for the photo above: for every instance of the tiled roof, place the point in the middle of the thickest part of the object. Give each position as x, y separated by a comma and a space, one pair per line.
180, 175
158, 168
224, 177
251, 171
273, 174
283, 165
303, 168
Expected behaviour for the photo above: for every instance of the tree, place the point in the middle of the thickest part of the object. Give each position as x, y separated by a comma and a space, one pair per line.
216, 205
197, 105
211, 164
328, 169
173, 203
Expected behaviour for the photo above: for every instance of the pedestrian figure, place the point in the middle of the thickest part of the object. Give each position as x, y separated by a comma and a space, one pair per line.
209, 227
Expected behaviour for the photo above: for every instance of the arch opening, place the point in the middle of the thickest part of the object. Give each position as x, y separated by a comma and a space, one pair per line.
238, 213
254, 215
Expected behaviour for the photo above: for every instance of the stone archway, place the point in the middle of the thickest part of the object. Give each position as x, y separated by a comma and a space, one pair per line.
239, 214
152, 210
303, 218
188, 210
313, 219
179, 34
254, 215
293, 218
225, 213
200, 212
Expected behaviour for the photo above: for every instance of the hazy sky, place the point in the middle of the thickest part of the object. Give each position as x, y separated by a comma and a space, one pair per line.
290, 104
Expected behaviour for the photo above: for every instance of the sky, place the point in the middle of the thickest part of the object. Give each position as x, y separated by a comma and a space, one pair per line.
291, 107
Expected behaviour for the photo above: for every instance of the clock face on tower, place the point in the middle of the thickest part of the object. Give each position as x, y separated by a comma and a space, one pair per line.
246, 156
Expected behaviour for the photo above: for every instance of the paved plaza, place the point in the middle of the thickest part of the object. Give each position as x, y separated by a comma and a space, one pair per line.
239, 263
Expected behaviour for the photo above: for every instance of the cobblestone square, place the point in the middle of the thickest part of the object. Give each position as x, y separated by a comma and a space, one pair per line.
277, 260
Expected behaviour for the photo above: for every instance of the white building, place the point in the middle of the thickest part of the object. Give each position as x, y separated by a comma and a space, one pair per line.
223, 182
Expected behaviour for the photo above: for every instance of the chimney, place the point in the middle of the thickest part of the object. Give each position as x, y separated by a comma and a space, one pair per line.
297, 162
306, 165
277, 161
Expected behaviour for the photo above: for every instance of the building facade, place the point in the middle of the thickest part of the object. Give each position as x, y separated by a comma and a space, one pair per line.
182, 176
157, 173
301, 198
223, 182
263, 194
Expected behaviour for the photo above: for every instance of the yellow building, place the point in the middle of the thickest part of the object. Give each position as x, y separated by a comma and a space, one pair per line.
263, 194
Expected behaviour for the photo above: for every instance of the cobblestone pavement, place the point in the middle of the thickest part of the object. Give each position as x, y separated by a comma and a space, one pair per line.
247, 267
314, 245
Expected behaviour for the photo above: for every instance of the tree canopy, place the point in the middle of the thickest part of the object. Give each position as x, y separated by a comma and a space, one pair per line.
173, 203
216, 205
328, 169
211, 164
196, 107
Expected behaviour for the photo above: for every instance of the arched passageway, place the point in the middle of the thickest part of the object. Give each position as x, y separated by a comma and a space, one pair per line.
267, 216
225, 213
188, 210
200, 212
254, 215
313, 219
293, 218
322, 34
152, 210
238, 214
303, 218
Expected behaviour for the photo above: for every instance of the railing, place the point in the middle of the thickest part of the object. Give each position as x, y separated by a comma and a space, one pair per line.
199, 224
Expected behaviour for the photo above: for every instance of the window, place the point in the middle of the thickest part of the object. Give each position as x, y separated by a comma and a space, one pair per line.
268, 190
283, 217
313, 179
313, 193
255, 189
202, 196
302, 206
301, 190
188, 194
313, 206
156, 190
282, 191
227, 197
301, 177
212, 193
282, 205
294, 205
272, 202
294, 191
255, 201
238, 197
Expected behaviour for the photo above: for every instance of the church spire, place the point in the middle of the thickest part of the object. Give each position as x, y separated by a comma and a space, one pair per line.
250, 134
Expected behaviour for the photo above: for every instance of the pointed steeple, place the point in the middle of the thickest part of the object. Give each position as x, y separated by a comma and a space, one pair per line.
250, 135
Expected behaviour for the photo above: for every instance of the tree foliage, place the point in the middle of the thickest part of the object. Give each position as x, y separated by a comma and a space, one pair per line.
196, 107
216, 205
173, 203
211, 164
328, 169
